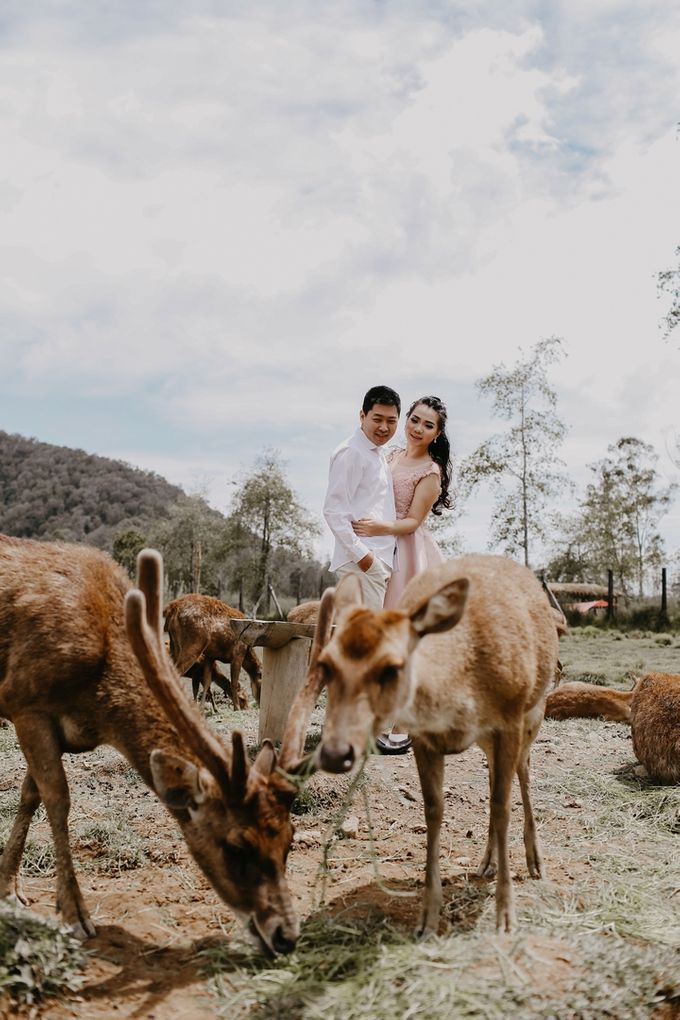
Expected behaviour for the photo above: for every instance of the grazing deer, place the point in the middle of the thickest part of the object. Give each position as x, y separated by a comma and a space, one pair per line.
655, 722
578, 699
200, 631
76, 647
195, 673
466, 658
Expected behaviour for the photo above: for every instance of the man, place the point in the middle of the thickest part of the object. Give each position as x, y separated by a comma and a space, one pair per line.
360, 485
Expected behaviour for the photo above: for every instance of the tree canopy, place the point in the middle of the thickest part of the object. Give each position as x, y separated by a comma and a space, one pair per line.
521, 463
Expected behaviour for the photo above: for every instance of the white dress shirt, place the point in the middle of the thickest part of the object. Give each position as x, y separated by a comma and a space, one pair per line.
359, 485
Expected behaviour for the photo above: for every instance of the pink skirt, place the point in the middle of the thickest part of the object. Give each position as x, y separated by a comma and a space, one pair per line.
415, 553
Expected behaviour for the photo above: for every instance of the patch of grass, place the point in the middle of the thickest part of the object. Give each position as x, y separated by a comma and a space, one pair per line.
114, 847
38, 858
350, 967
38, 959
601, 656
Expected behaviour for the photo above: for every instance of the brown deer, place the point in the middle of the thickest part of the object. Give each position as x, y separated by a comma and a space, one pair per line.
466, 658
200, 631
655, 722
306, 612
578, 699
78, 651
196, 674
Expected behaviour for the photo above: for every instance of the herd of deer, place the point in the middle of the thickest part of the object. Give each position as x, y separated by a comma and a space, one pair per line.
469, 657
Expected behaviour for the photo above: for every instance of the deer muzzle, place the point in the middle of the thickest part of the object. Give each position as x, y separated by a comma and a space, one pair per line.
336, 756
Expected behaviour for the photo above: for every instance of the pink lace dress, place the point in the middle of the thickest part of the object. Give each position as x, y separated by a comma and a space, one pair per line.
419, 550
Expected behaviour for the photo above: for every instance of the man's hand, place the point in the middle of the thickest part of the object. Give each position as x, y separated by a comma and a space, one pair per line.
366, 562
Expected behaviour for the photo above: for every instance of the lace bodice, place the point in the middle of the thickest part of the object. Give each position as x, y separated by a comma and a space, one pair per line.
405, 479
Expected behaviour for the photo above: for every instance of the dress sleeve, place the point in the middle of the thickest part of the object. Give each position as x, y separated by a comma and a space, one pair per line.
433, 469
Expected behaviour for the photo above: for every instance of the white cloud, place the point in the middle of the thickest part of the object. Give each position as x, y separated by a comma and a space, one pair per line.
245, 217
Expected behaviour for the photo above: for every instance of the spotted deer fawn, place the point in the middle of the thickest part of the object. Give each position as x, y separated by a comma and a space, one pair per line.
200, 632
466, 658
79, 652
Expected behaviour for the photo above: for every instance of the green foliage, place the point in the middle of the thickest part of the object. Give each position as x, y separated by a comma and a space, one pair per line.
264, 505
520, 464
53, 492
616, 527
38, 959
668, 282
195, 541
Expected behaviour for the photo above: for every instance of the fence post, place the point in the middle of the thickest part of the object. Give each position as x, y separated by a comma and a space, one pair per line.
663, 615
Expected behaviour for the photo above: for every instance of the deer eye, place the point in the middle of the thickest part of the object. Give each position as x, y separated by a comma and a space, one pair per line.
388, 675
239, 862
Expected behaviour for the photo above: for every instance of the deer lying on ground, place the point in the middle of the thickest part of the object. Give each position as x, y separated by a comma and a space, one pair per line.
78, 651
655, 722
200, 631
578, 699
466, 658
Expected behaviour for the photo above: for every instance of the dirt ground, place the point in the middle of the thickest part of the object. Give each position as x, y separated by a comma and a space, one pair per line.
156, 915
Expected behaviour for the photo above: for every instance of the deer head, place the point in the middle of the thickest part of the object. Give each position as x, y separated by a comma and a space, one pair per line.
366, 666
235, 814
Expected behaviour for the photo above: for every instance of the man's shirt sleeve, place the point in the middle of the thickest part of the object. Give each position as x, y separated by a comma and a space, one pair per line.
344, 478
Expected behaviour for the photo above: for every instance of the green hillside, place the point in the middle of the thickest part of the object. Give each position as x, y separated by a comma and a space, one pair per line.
55, 492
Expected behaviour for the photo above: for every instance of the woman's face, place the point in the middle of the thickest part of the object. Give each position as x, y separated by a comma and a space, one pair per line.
422, 426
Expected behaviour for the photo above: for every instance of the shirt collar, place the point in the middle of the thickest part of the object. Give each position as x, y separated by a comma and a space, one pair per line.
364, 440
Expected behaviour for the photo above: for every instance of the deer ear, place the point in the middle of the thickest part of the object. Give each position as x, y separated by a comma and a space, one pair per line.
265, 760
348, 593
178, 782
443, 610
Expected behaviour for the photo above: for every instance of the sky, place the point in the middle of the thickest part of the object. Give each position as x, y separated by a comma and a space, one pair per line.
221, 222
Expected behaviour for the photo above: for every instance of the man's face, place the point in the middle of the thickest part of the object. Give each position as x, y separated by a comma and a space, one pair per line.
380, 423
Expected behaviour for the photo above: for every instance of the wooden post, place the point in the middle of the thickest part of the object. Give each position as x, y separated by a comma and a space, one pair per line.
663, 615
283, 673
610, 594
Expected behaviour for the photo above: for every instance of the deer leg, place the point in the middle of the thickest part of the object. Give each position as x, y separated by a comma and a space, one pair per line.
40, 744
505, 761
14, 847
206, 683
431, 771
487, 866
235, 673
533, 854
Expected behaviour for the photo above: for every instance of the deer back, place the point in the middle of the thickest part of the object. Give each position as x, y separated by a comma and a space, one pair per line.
500, 658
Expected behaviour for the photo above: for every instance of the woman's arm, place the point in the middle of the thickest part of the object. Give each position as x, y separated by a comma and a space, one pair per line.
424, 498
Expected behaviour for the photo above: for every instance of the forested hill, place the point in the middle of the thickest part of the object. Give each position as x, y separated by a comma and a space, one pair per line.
55, 492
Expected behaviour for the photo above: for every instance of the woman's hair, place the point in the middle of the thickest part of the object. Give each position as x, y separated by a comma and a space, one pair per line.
440, 451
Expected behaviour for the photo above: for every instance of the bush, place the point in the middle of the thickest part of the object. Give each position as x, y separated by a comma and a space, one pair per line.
37, 957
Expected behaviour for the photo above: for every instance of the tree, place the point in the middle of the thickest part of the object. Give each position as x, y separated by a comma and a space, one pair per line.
520, 464
266, 506
668, 282
126, 547
621, 511
194, 540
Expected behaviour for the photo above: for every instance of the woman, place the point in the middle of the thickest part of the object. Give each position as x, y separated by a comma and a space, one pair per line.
421, 474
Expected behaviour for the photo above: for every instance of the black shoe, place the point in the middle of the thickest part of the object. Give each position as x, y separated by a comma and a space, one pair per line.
386, 744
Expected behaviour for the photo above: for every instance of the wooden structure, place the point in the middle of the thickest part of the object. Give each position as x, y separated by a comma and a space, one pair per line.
569, 593
284, 666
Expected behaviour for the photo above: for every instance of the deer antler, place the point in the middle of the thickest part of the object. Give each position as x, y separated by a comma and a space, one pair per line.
143, 626
292, 745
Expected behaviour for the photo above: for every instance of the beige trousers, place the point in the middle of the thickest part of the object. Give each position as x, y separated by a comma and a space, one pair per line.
373, 581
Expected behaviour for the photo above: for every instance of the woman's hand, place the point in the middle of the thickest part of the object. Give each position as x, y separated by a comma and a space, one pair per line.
366, 528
